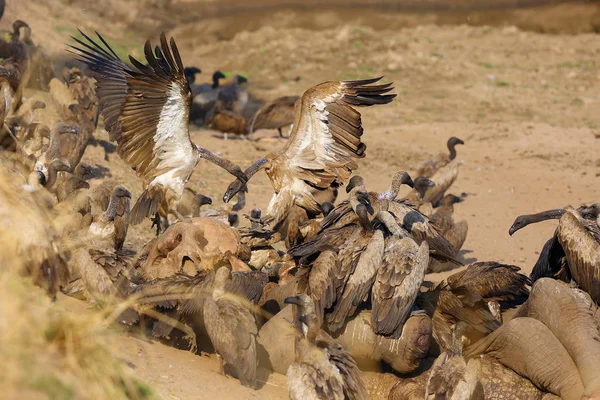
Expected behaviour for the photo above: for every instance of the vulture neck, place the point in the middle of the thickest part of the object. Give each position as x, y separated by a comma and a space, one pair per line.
545, 215
52, 151
52, 175
394, 189
452, 148
111, 210
363, 217
215, 83
390, 223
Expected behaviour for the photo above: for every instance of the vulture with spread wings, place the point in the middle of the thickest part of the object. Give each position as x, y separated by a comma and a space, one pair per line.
323, 145
146, 111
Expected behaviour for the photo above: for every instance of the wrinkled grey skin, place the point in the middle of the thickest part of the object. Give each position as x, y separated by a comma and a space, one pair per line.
404, 354
565, 312
529, 348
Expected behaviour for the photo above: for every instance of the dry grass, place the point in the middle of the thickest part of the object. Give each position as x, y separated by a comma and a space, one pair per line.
47, 351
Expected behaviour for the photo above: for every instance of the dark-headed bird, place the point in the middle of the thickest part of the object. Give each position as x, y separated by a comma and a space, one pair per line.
323, 145
146, 111
574, 250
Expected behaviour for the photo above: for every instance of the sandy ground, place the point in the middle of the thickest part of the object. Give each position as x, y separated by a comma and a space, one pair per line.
525, 104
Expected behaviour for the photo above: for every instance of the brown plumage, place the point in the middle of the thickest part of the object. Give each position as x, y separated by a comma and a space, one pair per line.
406, 215
57, 141
112, 224
442, 216
232, 96
146, 111
25, 114
100, 274
57, 165
322, 148
447, 307
430, 167
34, 142
576, 241
415, 197
443, 179
360, 271
191, 202
451, 377
227, 122
580, 240
275, 114
343, 215
82, 88
491, 281
232, 329
181, 295
457, 234
311, 375
398, 282
68, 184
7, 92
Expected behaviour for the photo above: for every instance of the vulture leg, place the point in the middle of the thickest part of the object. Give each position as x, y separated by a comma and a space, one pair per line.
221, 365
178, 215
223, 163
280, 132
156, 222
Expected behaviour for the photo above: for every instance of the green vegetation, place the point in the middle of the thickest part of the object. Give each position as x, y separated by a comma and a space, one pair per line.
502, 83
585, 65
487, 65
577, 102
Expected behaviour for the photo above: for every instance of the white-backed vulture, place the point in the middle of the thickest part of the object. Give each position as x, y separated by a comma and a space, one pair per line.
573, 251
398, 280
204, 97
146, 111
232, 329
276, 114
233, 97
312, 343
443, 179
322, 148
430, 167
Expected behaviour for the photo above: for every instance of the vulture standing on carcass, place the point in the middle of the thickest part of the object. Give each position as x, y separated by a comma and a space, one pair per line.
322, 148
146, 111
574, 250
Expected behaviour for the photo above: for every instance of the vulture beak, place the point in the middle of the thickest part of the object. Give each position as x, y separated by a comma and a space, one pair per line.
232, 190
410, 182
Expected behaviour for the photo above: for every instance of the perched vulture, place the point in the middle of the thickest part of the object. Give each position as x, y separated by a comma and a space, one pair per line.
322, 148
146, 111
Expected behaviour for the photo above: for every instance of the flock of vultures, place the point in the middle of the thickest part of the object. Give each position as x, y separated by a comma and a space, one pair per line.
331, 293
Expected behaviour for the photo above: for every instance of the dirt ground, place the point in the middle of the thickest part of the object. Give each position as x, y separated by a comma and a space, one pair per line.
526, 105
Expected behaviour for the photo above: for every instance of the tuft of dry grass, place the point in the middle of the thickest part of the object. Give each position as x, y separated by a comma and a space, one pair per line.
47, 351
